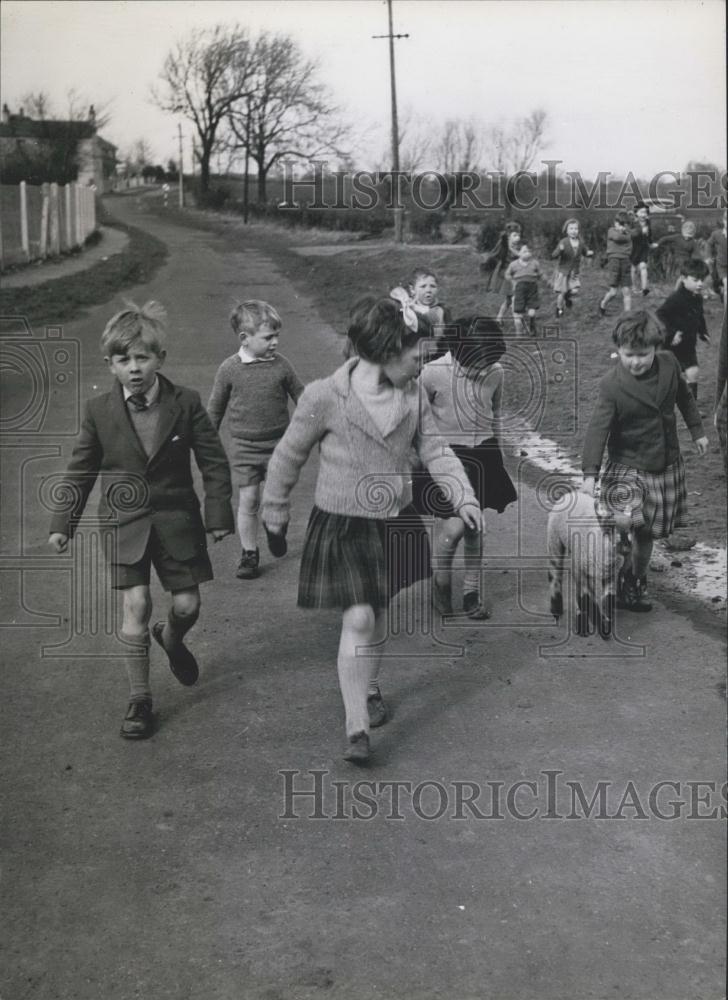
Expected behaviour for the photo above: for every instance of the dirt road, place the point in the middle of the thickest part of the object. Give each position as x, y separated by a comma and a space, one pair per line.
189, 867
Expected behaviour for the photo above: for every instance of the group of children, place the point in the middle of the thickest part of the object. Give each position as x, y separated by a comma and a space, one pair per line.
408, 427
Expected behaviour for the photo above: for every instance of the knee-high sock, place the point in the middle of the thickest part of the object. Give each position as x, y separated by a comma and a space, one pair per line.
473, 551
137, 665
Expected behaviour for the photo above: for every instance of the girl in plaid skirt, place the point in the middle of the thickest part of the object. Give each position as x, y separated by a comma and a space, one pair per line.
364, 540
634, 418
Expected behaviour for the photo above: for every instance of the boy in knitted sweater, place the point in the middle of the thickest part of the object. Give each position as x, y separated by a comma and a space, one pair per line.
253, 387
619, 250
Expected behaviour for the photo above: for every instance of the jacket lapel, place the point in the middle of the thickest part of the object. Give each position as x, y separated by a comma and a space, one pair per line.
120, 416
169, 411
632, 387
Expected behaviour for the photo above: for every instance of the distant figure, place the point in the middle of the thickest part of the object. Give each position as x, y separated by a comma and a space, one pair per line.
568, 254
619, 248
495, 263
642, 243
718, 259
684, 320
683, 246
525, 273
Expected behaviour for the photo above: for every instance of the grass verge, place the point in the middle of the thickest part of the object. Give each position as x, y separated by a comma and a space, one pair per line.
62, 299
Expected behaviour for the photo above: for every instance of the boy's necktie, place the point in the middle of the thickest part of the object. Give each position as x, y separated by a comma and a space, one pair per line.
138, 400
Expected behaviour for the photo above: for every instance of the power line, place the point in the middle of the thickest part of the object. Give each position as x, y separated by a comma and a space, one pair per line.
398, 210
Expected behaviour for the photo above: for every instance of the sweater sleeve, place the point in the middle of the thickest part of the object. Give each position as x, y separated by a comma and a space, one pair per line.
293, 385
556, 255
307, 426
687, 405
602, 420
440, 460
220, 395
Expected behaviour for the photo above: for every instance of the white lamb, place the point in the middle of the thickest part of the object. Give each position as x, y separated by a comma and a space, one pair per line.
583, 531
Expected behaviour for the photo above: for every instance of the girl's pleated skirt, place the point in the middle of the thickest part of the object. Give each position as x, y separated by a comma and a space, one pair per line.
656, 500
360, 560
484, 467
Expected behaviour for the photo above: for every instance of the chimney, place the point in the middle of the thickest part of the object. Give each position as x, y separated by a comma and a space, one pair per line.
6, 114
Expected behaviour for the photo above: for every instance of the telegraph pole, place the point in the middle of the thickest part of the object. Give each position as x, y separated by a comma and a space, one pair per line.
398, 211
181, 176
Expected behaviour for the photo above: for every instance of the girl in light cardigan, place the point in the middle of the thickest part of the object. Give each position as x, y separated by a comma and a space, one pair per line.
367, 419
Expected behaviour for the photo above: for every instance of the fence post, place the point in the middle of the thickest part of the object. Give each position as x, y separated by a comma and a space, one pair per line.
24, 220
76, 216
69, 220
55, 227
43, 251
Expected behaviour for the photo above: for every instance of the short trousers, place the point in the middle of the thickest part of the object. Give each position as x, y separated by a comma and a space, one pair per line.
525, 296
249, 461
564, 282
619, 272
173, 573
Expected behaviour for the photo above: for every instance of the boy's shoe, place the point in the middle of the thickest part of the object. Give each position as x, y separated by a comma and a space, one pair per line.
378, 711
277, 543
357, 749
475, 608
645, 291
138, 722
181, 662
631, 596
248, 565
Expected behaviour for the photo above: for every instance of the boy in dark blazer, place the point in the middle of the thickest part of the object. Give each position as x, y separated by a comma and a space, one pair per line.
137, 439
684, 320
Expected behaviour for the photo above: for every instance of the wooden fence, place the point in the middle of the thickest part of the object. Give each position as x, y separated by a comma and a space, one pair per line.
43, 221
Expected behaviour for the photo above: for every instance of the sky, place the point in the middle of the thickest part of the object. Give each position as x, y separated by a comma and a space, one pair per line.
628, 84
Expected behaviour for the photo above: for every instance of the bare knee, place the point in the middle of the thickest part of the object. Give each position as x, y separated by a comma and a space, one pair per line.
137, 607
186, 605
249, 499
360, 618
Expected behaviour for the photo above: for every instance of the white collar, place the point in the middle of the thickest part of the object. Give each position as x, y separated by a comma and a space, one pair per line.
150, 396
248, 359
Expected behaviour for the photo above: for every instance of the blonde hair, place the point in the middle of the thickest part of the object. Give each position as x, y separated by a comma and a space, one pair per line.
147, 324
249, 316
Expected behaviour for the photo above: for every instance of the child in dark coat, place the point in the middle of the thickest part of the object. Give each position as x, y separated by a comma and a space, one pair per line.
684, 320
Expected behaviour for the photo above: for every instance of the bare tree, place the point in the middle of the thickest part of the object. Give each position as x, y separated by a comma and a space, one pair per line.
202, 78
512, 150
415, 141
459, 147
37, 104
287, 113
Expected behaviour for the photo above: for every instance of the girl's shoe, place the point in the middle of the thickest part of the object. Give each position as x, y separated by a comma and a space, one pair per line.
475, 608
181, 661
248, 565
357, 749
631, 596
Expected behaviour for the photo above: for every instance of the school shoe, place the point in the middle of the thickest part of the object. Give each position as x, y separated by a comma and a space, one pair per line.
645, 291
378, 711
631, 596
277, 543
181, 662
475, 608
248, 565
138, 722
357, 748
